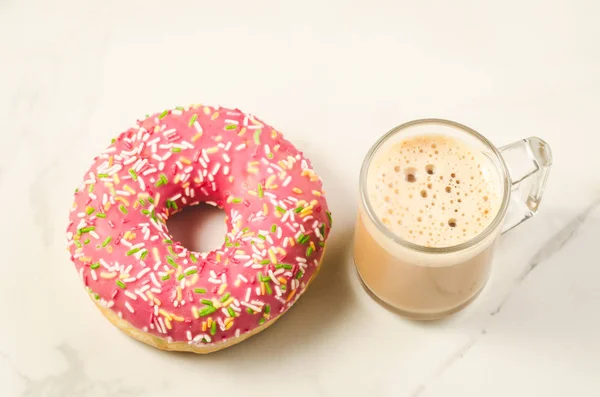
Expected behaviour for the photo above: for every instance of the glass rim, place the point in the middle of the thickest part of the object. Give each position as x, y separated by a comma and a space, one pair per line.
506, 181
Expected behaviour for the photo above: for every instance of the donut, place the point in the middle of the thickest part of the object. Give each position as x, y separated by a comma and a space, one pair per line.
164, 294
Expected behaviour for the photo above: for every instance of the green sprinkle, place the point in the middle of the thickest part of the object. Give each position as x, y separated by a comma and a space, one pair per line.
86, 241
262, 321
191, 271
172, 262
299, 275
322, 243
106, 241
120, 284
132, 251
250, 311
193, 120
257, 133
176, 149
281, 210
89, 210
283, 265
283, 287
166, 277
142, 201
168, 241
260, 236
96, 296
298, 209
305, 239
133, 174
268, 288
86, 229
77, 244
300, 238
261, 193
309, 251
267, 309
162, 180
329, 217
193, 258
213, 328
231, 312
144, 254
123, 209
225, 297
273, 228
163, 114
95, 265
180, 277
270, 155
206, 310
322, 230
145, 212
172, 204
180, 108
199, 290
170, 249
207, 302
113, 140
236, 200
103, 175
91, 188
231, 127
100, 215
263, 278
151, 200
265, 262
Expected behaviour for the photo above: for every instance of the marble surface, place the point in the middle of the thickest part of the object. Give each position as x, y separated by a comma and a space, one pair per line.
333, 76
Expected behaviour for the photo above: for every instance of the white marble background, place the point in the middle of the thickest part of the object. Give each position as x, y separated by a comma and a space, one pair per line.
333, 76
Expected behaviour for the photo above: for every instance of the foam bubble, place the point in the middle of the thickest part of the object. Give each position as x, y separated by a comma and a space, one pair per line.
428, 188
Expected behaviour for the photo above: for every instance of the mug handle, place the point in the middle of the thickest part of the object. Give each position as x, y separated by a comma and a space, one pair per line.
528, 161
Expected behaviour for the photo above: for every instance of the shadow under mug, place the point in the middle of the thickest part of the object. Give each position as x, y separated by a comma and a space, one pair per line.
428, 283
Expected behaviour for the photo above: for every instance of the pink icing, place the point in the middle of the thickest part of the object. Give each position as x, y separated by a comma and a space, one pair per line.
277, 220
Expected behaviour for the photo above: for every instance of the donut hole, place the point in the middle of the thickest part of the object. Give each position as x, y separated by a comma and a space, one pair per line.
200, 228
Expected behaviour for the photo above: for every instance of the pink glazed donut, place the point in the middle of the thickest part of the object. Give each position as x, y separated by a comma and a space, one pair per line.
164, 294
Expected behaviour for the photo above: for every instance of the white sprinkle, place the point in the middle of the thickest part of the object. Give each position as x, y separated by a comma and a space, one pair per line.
141, 295
131, 295
216, 169
287, 181
163, 329
154, 280
240, 147
94, 276
130, 160
273, 278
241, 277
188, 334
128, 306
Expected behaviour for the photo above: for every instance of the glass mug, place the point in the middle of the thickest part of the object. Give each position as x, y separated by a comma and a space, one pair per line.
427, 283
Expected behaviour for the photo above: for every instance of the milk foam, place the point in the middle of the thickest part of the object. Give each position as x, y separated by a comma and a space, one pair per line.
434, 190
